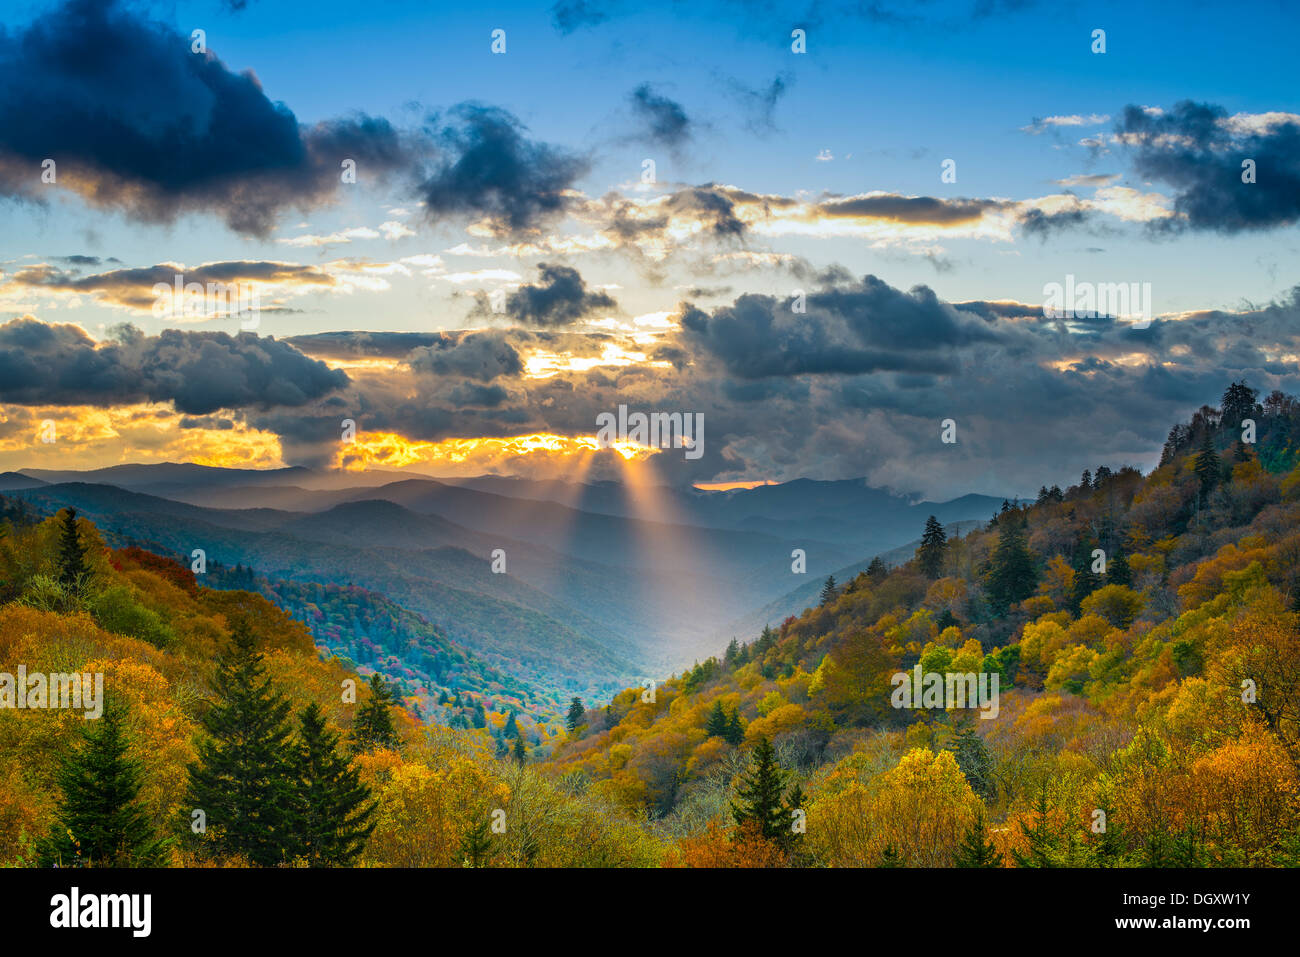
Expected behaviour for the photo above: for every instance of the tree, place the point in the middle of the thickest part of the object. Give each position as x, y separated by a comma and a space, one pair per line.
934, 543
100, 822
520, 750
1207, 464
734, 733
890, 857
1117, 570
1086, 581
1040, 835
716, 724
511, 729
576, 713
828, 591
1238, 403
334, 811
1012, 575
975, 849
760, 793
373, 728
973, 758
244, 778
72, 560
877, 570
476, 845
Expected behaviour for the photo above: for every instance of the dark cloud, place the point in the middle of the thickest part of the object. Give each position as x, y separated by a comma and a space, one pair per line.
135, 121
198, 372
134, 288
488, 167
569, 15
364, 345
859, 328
712, 205
560, 297
664, 121
759, 104
925, 210
1035, 222
1198, 150
475, 355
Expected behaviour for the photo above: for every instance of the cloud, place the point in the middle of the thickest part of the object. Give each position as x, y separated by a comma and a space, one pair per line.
759, 104
137, 122
559, 298
664, 121
488, 167
134, 288
484, 356
197, 372
1198, 149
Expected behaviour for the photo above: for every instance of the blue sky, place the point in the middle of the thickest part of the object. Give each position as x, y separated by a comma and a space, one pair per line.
1012, 93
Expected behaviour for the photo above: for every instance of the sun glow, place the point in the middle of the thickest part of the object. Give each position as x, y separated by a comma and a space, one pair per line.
390, 450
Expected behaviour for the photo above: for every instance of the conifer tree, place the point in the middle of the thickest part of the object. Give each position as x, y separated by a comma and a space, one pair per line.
576, 713
973, 758
333, 809
373, 728
511, 729
476, 845
975, 849
877, 570
828, 591
100, 822
716, 723
734, 734
72, 559
934, 542
1012, 575
520, 750
245, 776
1118, 571
1086, 581
760, 793
889, 857
1040, 835
1207, 464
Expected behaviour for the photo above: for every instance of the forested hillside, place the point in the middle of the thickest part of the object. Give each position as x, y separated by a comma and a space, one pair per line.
1143, 631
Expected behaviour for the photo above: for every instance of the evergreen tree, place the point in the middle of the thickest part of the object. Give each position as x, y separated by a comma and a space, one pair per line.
1238, 403
1086, 581
334, 810
734, 733
1012, 575
828, 591
476, 845
100, 822
716, 724
975, 849
877, 570
1085, 482
760, 794
1041, 836
731, 656
794, 801
373, 728
511, 729
1117, 570
520, 750
72, 560
1207, 464
478, 717
244, 777
973, 758
889, 857
576, 713
934, 542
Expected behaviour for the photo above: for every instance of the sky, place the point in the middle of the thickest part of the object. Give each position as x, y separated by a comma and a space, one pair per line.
828, 229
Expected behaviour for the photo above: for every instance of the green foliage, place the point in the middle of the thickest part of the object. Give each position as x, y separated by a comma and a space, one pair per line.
332, 808
934, 544
373, 728
976, 850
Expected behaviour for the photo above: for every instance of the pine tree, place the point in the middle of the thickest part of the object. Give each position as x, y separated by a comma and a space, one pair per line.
520, 750
72, 559
889, 857
716, 724
476, 845
1041, 836
373, 728
1012, 575
934, 542
828, 591
734, 734
1207, 464
244, 778
975, 849
1117, 570
576, 713
760, 793
334, 811
100, 822
973, 758
511, 729
1086, 581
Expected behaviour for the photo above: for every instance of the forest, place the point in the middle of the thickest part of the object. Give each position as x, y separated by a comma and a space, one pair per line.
1143, 628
